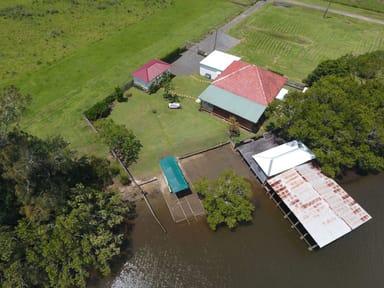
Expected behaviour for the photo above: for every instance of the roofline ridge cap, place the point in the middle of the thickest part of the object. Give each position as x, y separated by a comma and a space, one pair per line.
261, 84
230, 74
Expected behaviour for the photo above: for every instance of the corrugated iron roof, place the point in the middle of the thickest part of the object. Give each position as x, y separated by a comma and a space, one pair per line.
219, 60
283, 157
251, 82
230, 102
322, 206
151, 70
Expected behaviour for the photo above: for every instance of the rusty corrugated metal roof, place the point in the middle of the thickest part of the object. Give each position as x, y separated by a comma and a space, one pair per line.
322, 206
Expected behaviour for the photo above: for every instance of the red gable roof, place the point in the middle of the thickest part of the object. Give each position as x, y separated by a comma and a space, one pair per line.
151, 70
250, 81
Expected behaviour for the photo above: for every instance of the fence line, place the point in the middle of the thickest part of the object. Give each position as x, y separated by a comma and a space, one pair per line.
143, 193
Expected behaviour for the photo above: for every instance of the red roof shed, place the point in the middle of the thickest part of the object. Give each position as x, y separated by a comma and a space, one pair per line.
151, 70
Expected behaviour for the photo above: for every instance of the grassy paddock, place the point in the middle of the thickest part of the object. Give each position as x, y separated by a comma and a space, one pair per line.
294, 40
63, 90
40, 33
343, 6
374, 5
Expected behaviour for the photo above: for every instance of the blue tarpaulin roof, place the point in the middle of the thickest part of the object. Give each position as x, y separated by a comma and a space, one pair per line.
173, 175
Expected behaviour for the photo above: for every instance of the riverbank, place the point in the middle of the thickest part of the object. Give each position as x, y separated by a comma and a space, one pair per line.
267, 253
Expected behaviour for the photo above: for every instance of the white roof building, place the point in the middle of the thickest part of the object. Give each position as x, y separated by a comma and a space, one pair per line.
215, 63
282, 158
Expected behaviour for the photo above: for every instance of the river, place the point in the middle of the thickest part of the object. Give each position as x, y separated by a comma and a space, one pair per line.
266, 253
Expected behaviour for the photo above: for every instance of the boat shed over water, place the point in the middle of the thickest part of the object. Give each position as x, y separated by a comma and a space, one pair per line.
322, 207
316, 206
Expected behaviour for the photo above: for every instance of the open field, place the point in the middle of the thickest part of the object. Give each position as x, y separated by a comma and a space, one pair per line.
374, 5
63, 90
165, 132
344, 6
40, 33
294, 40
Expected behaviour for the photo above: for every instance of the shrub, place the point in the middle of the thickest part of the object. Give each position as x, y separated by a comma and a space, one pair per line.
124, 179
119, 95
115, 170
153, 88
100, 110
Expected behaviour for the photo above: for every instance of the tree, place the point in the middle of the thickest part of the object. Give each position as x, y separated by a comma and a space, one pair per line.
12, 104
226, 200
119, 139
58, 221
233, 127
339, 67
340, 117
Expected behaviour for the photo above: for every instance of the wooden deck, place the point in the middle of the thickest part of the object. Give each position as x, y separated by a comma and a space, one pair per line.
187, 208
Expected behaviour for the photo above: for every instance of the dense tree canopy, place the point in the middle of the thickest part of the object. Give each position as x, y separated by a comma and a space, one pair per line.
341, 117
58, 220
226, 200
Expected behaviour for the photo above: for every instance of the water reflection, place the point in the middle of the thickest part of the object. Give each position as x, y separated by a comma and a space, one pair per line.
267, 253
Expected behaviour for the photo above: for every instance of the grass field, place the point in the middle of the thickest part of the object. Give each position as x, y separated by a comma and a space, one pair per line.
67, 87
351, 8
39, 33
164, 132
374, 5
294, 40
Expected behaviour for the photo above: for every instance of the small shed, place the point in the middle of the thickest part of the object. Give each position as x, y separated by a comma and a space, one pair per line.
173, 175
150, 73
215, 63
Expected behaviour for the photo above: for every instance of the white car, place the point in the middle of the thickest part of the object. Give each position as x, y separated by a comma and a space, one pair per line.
174, 105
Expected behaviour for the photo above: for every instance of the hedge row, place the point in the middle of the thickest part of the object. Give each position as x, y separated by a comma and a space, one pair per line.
103, 108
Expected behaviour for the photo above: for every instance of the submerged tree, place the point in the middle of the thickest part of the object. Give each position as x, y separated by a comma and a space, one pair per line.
226, 200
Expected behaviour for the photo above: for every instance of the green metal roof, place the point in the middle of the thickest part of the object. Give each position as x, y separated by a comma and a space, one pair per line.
233, 103
173, 175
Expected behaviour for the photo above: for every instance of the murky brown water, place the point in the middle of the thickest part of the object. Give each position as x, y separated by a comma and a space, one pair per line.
265, 254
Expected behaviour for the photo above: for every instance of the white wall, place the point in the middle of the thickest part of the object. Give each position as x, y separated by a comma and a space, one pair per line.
209, 70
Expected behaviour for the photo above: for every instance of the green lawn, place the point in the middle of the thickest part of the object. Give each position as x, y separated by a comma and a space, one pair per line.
164, 132
63, 90
294, 40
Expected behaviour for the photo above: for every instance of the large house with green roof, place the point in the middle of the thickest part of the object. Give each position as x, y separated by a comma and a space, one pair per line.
242, 90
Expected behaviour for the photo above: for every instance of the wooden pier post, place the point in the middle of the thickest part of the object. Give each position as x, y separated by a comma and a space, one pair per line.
303, 236
286, 215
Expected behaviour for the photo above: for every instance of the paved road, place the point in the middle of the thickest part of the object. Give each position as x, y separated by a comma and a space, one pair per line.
348, 14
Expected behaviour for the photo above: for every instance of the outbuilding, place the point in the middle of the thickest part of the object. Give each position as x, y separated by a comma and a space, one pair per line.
150, 73
215, 63
174, 176
281, 158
